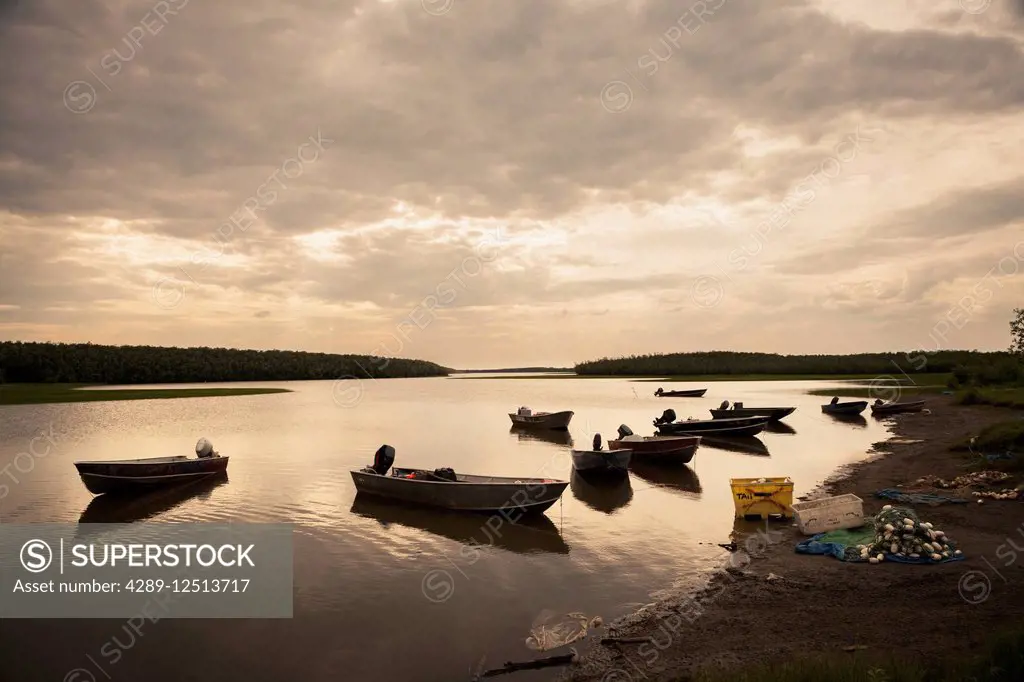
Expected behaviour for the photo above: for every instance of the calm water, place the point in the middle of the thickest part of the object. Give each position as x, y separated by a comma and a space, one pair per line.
384, 593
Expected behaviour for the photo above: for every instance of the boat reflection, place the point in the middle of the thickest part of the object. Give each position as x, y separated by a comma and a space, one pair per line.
543, 435
750, 445
129, 508
532, 534
852, 419
605, 496
680, 477
779, 427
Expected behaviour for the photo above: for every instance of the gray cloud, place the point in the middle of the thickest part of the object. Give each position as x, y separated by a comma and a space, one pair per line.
491, 111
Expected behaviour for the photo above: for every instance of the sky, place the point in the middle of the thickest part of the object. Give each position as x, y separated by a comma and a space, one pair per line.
495, 184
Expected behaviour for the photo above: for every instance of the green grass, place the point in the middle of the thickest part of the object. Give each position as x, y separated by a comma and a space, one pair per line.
997, 397
883, 391
36, 394
1007, 436
697, 378
1002, 660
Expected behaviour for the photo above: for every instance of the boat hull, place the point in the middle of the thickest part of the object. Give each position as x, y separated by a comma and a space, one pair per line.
772, 413
742, 427
543, 420
897, 408
696, 393
478, 494
601, 462
140, 475
845, 409
660, 449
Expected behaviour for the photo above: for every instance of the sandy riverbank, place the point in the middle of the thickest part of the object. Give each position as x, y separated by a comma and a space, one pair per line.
820, 605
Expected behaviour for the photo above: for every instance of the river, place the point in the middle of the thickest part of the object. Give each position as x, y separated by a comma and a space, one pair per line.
385, 593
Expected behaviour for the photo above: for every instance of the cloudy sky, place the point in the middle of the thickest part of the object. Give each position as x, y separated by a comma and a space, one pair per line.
496, 183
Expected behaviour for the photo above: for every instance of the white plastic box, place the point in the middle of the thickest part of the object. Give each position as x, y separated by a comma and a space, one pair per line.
829, 513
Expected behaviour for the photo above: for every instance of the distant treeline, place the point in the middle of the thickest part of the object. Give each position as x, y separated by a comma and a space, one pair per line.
994, 366
85, 363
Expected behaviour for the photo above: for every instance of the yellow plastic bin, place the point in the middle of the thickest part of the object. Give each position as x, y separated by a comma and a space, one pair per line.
762, 497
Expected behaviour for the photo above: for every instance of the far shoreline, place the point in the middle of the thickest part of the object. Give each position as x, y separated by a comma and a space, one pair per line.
50, 394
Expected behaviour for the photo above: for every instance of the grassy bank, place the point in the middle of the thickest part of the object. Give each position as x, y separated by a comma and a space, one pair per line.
1001, 661
36, 394
997, 397
699, 378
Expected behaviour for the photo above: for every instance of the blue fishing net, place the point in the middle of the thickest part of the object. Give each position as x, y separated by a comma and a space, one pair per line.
916, 498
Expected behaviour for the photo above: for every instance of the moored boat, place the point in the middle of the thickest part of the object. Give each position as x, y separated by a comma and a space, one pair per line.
686, 393
849, 408
601, 462
880, 408
443, 488
660, 449
609, 462
138, 475
739, 426
524, 416
738, 410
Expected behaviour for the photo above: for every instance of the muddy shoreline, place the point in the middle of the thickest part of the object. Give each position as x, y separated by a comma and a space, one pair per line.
776, 605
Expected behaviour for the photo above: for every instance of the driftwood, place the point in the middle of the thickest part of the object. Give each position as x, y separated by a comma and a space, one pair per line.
512, 666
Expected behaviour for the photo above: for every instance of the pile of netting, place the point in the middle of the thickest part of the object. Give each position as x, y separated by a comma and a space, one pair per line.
902, 537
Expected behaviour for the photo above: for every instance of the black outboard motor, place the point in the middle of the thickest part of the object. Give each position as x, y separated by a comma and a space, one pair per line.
659, 391
624, 431
383, 459
446, 474
667, 417
597, 442
835, 400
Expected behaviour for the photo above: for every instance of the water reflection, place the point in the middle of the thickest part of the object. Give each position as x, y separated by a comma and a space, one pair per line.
680, 477
603, 495
526, 535
126, 508
780, 427
851, 419
749, 445
754, 536
542, 435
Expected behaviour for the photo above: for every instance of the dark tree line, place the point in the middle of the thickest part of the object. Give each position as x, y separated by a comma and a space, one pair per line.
85, 363
727, 362
1017, 332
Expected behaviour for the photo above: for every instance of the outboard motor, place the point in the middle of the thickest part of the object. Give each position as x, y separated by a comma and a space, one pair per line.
597, 442
667, 417
659, 391
624, 431
204, 449
835, 400
724, 405
383, 459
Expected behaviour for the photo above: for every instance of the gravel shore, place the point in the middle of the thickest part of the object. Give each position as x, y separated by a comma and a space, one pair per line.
777, 604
